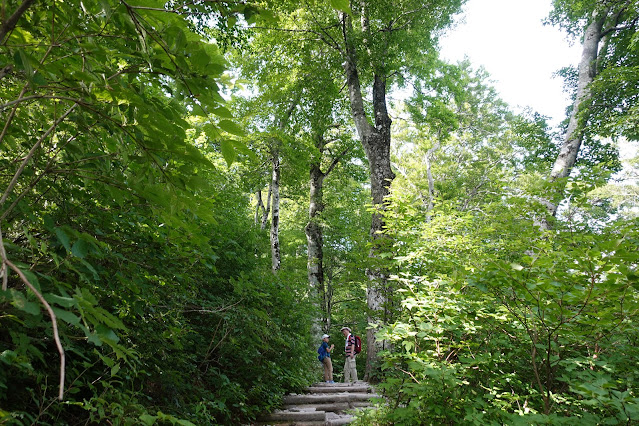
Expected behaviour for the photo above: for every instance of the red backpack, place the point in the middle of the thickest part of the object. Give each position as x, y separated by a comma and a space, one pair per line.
358, 344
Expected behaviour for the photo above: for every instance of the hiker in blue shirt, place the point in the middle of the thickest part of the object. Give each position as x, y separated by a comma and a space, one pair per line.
324, 352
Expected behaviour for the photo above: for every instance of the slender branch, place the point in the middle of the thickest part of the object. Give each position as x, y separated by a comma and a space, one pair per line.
7, 123
402, 15
32, 152
632, 24
410, 374
6, 71
214, 311
22, 92
28, 98
616, 26
35, 181
325, 36
335, 161
54, 322
259, 208
137, 20
3, 269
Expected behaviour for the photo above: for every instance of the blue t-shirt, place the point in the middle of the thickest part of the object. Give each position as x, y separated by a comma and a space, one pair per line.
324, 348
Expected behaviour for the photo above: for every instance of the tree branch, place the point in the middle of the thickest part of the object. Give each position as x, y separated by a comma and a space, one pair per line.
335, 161
28, 98
8, 25
32, 152
54, 321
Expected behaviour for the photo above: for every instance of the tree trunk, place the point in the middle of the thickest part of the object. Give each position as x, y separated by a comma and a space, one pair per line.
431, 181
572, 143
267, 210
274, 189
276, 259
314, 238
376, 142
259, 206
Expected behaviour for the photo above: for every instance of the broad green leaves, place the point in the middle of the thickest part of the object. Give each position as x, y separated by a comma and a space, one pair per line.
115, 214
342, 6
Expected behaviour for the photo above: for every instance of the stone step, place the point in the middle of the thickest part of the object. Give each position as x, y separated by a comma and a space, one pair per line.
337, 389
311, 423
333, 407
294, 416
340, 384
327, 398
327, 404
338, 420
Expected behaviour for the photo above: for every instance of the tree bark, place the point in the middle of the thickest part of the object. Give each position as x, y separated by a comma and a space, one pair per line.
376, 142
574, 137
274, 188
259, 207
276, 257
8, 25
431, 181
315, 236
267, 210
315, 241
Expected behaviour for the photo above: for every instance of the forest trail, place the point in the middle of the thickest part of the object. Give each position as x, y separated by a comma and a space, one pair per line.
323, 404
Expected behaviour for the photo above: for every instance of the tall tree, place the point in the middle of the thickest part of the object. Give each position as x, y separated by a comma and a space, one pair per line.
605, 28
303, 76
377, 43
324, 162
274, 188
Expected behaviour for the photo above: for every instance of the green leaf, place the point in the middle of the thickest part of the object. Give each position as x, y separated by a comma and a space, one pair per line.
84, 295
249, 12
148, 419
115, 369
222, 112
20, 302
211, 131
8, 356
22, 62
231, 127
228, 151
106, 334
200, 58
66, 316
63, 238
65, 302
342, 5
80, 248
32, 278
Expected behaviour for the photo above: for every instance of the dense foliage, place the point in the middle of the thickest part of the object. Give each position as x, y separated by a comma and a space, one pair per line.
120, 212
521, 328
137, 137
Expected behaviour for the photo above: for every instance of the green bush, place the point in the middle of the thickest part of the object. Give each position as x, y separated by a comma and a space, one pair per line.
549, 339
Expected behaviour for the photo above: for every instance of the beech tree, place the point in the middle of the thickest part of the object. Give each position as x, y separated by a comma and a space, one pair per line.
377, 44
606, 30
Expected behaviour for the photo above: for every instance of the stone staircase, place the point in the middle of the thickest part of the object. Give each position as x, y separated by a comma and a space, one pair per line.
323, 404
